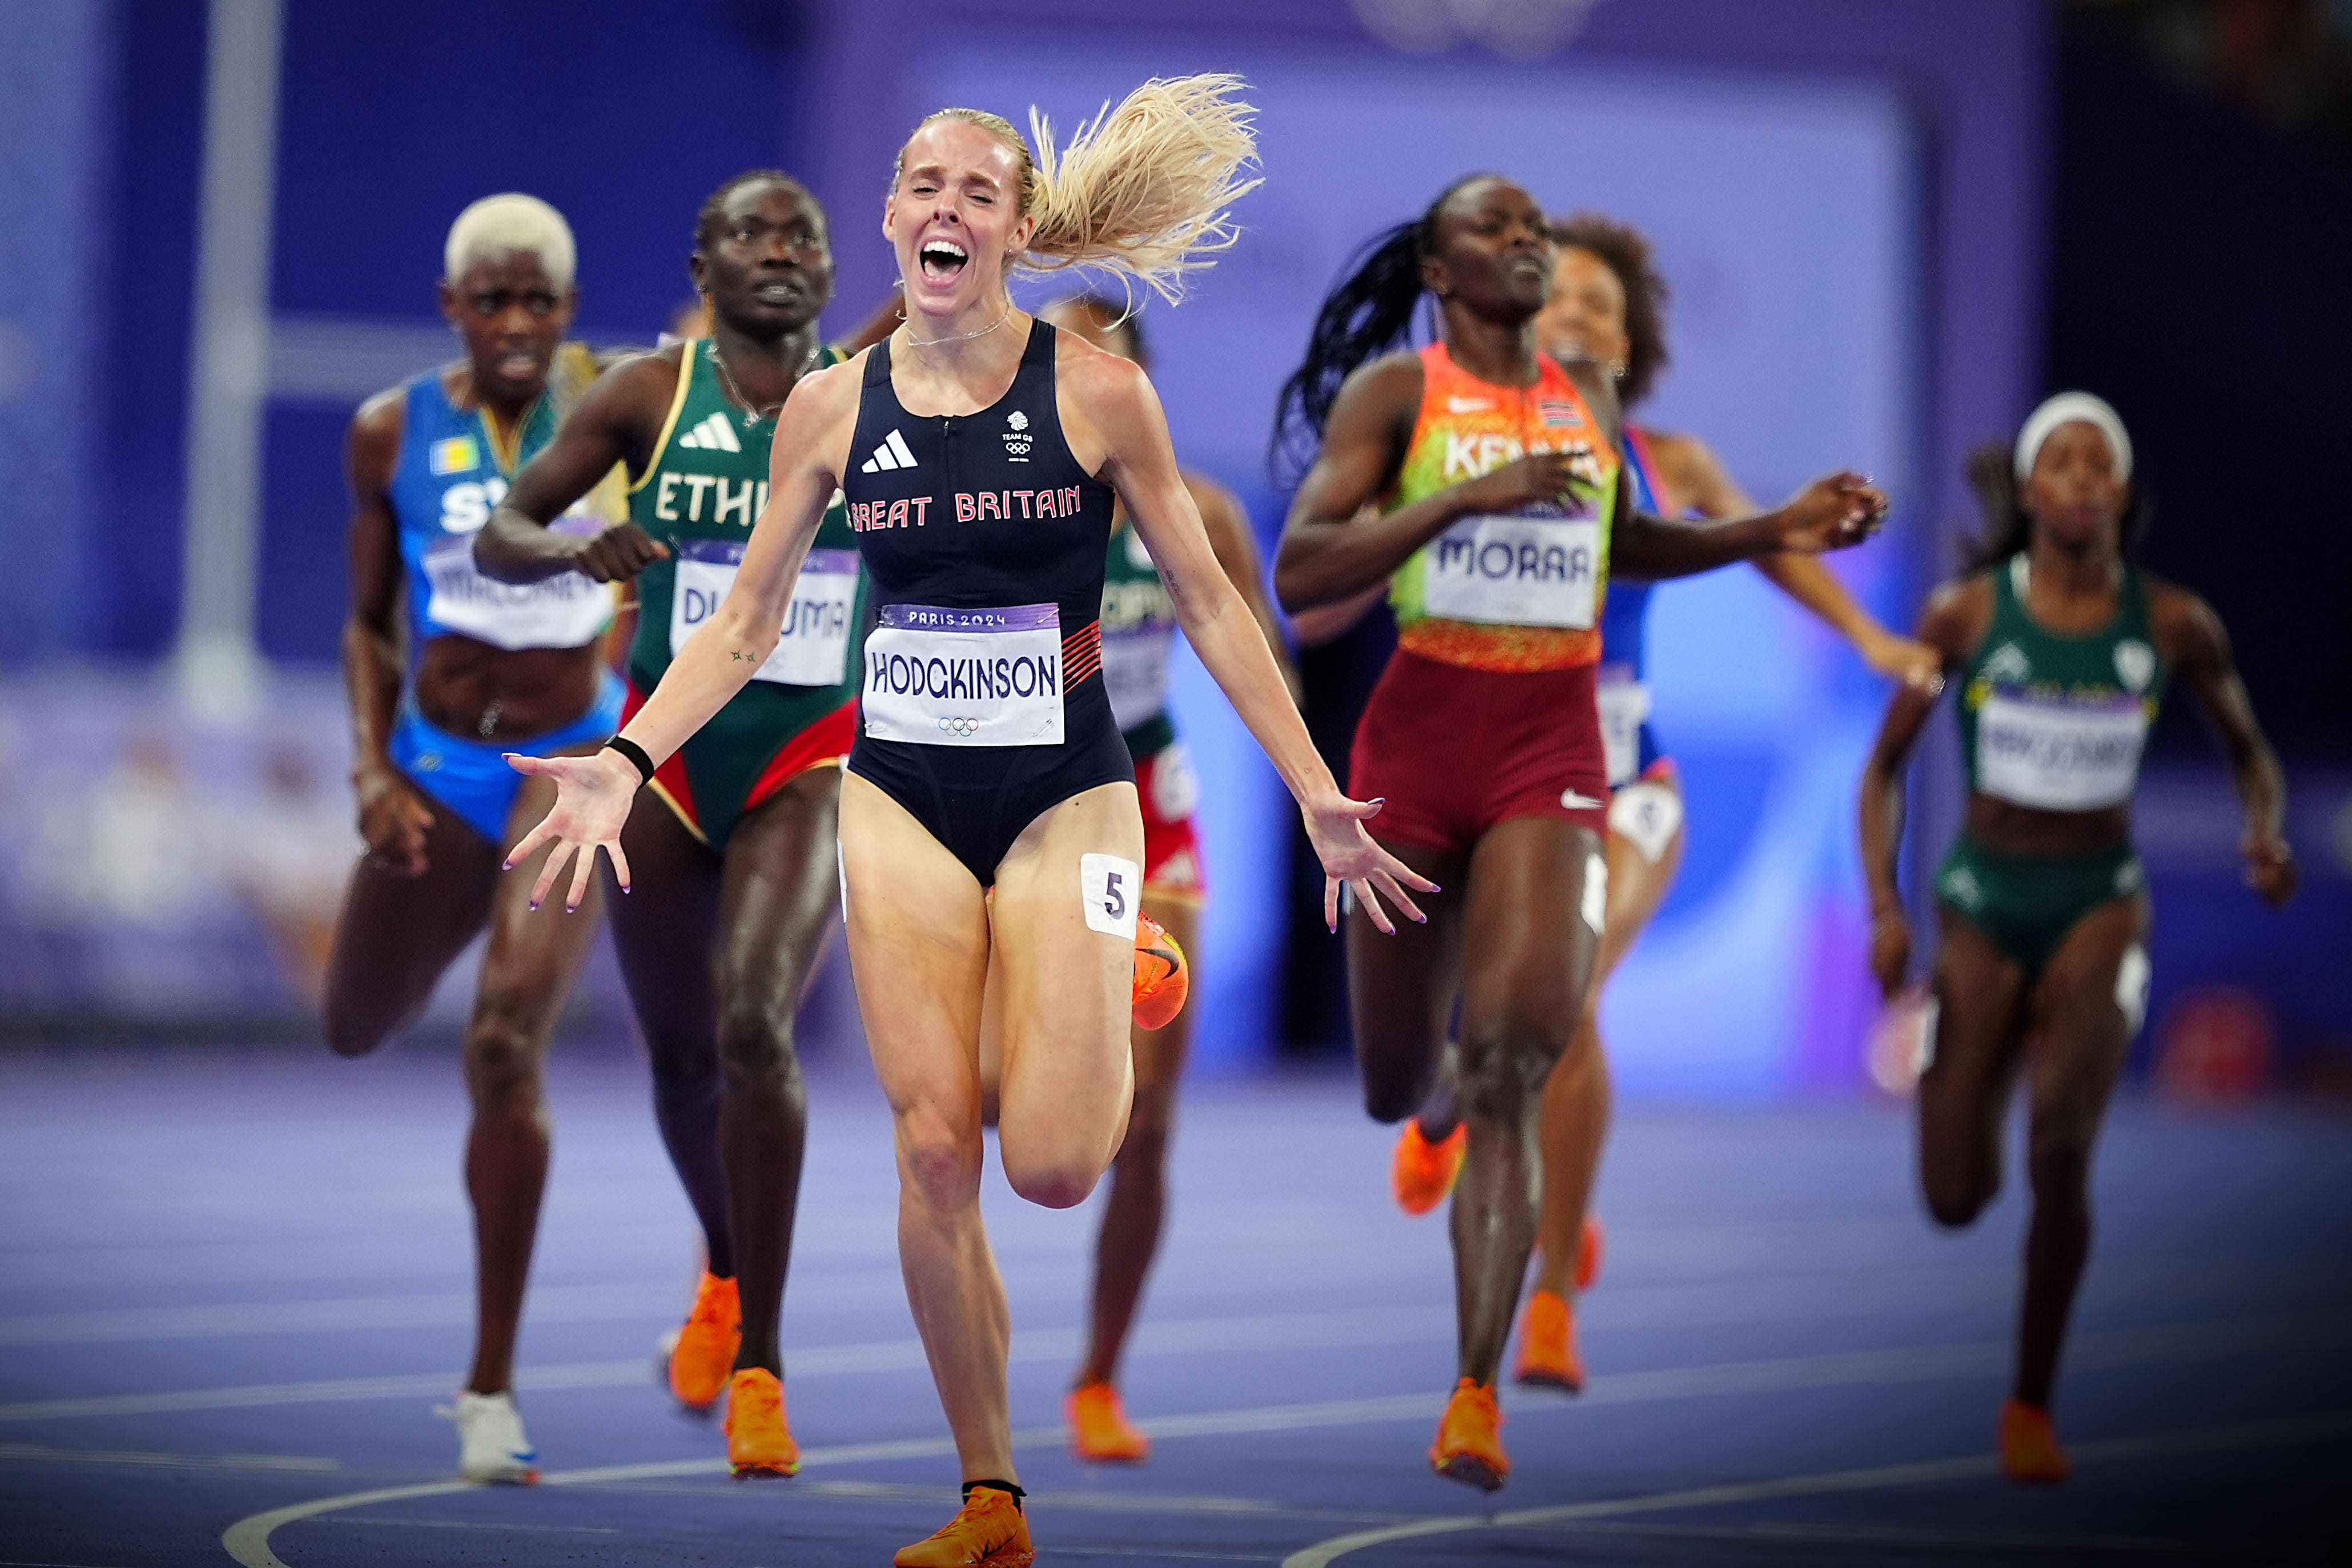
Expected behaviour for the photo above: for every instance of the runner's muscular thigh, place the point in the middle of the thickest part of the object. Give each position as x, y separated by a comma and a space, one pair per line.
1065, 957
1528, 932
2078, 1015
919, 951
396, 934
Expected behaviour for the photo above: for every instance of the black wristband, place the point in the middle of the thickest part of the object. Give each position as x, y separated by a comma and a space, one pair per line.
636, 755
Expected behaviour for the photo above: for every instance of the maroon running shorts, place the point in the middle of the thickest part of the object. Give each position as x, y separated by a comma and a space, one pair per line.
1454, 750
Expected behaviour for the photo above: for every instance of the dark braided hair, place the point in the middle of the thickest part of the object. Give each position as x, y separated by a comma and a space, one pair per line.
1624, 252
1369, 312
2009, 527
714, 210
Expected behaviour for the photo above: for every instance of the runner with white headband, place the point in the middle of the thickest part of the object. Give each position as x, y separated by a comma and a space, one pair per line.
2061, 649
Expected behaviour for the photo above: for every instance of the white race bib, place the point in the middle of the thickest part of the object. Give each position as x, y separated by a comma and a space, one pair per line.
1111, 892
565, 611
1515, 571
2056, 755
814, 648
1624, 706
938, 676
1135, 672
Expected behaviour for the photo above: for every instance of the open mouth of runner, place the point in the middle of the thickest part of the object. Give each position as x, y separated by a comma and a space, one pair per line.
941, 259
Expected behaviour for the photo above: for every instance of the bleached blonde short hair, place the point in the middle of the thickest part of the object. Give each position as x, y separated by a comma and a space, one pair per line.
511, 221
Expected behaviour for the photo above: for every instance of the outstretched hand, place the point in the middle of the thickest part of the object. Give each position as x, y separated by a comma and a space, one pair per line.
593, 794
1835, 513
1335, 826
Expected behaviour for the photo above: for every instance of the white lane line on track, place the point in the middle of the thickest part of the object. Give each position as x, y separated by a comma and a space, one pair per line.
309, 1257
1359, 1327
2152, 1445
471, 1524
552, 1304
1171, 1504
247, 1541
1268, 1330
42, 1453
1775, 1297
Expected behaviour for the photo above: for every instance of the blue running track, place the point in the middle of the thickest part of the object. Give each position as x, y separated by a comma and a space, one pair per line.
233, 1286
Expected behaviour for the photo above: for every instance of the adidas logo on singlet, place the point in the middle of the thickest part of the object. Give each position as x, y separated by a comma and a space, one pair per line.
891, 454
713, 434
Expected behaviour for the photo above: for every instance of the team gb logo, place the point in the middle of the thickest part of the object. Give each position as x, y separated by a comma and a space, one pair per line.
1017, 439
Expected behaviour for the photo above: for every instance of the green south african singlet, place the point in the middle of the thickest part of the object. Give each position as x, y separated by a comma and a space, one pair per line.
705, 488
2056, 721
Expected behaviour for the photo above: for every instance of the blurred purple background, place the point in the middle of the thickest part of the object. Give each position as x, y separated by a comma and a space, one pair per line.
1891, 226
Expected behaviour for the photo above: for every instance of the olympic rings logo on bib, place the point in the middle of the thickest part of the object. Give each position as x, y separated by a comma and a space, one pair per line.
964, 727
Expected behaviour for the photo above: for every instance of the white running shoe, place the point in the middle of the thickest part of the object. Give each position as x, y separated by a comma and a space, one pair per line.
491, 1447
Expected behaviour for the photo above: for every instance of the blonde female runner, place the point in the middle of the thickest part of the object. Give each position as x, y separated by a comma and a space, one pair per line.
990, 830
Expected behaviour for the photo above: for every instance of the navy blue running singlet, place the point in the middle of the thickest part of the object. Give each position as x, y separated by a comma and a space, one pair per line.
984, 703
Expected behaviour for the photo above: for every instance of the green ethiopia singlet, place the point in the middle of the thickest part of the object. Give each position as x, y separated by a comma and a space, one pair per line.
2053, 722
705, 488
1139, 634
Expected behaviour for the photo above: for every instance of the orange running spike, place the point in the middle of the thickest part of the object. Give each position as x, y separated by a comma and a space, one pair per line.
2029, 1446
988, 1531
1162, 979
1547, 1357
1422, 1174
704, 1350
1100, 1429
757, 1441
1469, 1446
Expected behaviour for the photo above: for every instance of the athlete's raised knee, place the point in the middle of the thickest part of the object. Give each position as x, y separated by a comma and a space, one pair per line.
1057, 1180
1954, 1202
353, 1030
1391, 1093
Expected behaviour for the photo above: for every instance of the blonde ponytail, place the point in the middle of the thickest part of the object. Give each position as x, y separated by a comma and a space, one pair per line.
1143, 191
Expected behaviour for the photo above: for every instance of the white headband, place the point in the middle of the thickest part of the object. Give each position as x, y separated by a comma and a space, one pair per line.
2064, 409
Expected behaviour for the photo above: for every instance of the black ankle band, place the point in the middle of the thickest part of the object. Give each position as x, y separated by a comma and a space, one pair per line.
1015, 1493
